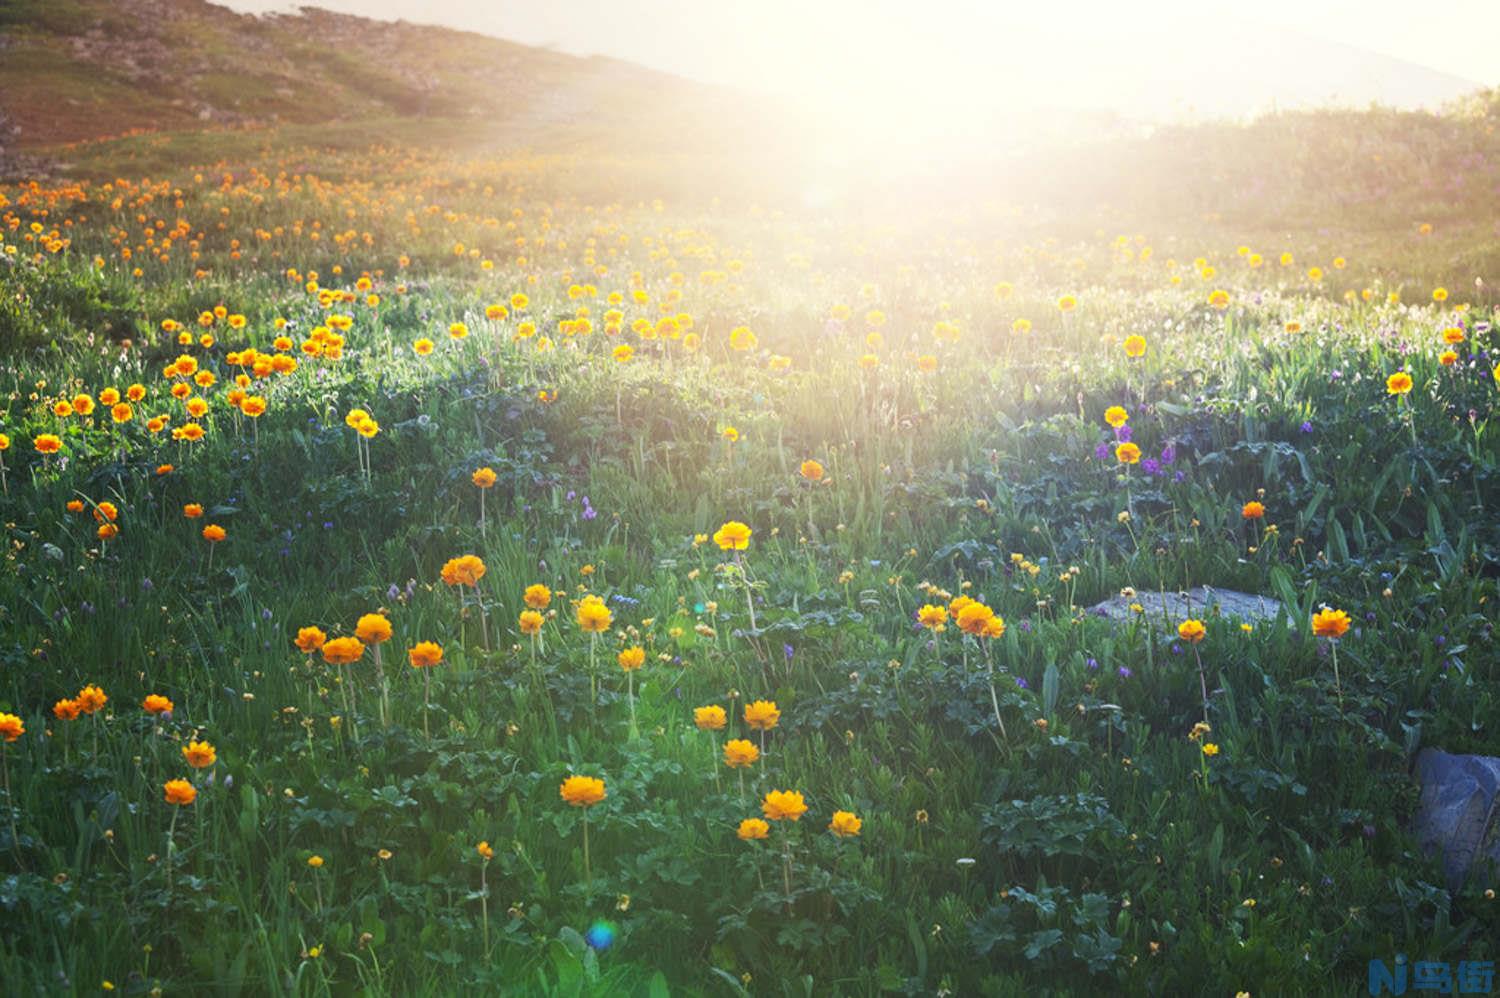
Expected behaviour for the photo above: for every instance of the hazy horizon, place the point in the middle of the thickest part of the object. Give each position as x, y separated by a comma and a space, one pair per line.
958, 60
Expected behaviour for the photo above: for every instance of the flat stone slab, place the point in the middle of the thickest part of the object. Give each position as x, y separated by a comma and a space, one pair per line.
1459, 813
1201, 602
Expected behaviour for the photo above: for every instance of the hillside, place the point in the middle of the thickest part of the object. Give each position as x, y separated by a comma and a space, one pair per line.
72, 70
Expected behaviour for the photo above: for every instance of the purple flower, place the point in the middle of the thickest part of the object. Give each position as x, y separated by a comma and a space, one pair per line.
1122, 433
1102, 451
1093, 664
1022, 683
1150, 466
788, 651
1307, 427
1124, 672
1169, 454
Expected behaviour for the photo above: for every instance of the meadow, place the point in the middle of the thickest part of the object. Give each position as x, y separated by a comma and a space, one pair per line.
431, 573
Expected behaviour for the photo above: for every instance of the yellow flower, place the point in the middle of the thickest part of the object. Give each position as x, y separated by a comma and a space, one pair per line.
1219, 299
733, 536
582, 791
537, 596
812, 471
484, 478
1128, 453
1191, 631
753, 828
932, 617
484, 851
710, 718
739, 752
845, 824
316, 862
631, 658
530, 623
1135, 346
593, 616
1398, 384
762, 715
1116, 416
783, 805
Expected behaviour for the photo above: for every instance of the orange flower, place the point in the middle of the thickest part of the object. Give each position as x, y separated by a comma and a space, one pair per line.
537, 596
632, 658
486, 853
762, 715
192, 511
11, 727
342, 651
1253, 510
426, 655
156, 704
373, 629
485, 478
310, 639
91, 698
465, 570
1128, 453
582, 791
180, 792
213, 533
530, 623
108, 531
783, 805
1398, 384
200, 755
66, 710
75, 506
974, 618
812, 471
1328, 623
47, 443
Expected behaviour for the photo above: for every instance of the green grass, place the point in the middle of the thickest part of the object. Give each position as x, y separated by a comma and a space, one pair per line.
1089, 847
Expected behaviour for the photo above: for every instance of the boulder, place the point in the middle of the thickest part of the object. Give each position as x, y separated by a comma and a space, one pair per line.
1201, 602
1459, 814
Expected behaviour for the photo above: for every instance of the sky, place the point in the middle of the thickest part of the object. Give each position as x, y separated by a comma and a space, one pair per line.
941, 67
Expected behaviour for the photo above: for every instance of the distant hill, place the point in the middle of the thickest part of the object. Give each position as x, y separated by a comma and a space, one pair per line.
72, 70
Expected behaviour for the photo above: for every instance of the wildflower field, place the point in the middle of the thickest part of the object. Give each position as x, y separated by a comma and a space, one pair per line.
427, 574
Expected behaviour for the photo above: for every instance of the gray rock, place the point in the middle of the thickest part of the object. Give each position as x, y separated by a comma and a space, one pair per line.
1459, 813
1204, 601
